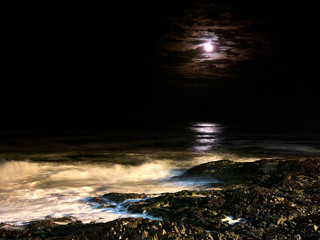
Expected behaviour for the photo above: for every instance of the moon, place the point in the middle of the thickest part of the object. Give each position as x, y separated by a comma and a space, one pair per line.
208, 47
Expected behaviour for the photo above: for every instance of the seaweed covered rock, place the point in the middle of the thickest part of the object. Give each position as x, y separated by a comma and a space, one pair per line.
261, 213
231, 173
277, 209
266, 173
120, 197
126, 228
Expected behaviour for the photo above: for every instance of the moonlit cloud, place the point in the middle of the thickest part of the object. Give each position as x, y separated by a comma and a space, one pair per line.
234, 41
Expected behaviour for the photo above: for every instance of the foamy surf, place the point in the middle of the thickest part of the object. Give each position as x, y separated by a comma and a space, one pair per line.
32, 190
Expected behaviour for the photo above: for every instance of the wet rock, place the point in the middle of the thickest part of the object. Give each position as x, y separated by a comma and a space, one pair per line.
98, 200
120, 197
279, 208
266, 173
296, 237
280, 220
311, 231
65, 219
102, 202
127, 228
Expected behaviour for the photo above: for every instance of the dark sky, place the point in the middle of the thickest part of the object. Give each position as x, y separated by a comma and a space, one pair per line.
88, 65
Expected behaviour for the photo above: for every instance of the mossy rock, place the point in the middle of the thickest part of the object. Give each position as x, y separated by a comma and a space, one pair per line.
265, 172
120, 197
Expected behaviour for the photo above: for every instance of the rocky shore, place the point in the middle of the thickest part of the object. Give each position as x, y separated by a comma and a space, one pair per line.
126, 228
266, 199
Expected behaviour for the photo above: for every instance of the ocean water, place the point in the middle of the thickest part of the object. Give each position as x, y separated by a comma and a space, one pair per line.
56, 174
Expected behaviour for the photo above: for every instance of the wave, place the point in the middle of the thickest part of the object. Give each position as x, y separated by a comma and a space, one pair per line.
44, 175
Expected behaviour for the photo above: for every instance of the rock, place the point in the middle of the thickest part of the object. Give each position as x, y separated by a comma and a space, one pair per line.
217, 236
256, 233
266, 173
296, 237
280, 220
120, 197
127, 228
312, 231
144, 234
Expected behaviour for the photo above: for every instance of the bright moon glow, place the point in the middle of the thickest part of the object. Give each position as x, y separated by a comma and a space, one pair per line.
208, 47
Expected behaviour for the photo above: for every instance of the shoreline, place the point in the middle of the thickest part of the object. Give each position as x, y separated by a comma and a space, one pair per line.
265, 199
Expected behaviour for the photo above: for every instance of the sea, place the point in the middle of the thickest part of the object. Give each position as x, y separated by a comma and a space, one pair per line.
54, 174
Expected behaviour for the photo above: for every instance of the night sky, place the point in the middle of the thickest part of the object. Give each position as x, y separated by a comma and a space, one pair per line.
79, 66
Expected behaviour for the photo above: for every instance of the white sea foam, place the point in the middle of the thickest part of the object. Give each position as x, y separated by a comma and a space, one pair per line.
204, 158
230, 220
33, 190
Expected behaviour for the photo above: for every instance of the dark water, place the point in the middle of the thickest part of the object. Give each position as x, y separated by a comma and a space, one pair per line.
55, 173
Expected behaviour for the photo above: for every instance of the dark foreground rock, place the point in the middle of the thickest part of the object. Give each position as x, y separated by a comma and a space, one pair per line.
127, 228
272, 199
275, 199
